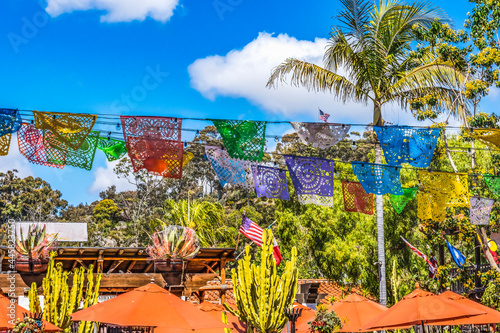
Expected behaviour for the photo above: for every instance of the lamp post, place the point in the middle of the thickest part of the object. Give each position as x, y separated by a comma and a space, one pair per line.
292, 315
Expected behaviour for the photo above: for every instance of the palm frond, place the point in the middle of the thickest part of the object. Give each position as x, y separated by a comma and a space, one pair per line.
315, 78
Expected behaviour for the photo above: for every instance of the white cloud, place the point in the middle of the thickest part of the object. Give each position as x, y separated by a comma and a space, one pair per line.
14, 160
104, 177
117, 10
244, 73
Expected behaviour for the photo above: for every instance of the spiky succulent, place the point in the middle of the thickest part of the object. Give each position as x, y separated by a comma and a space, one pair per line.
174, 242
36, 245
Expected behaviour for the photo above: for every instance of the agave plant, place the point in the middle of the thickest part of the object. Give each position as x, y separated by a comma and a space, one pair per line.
36, 245
174, 242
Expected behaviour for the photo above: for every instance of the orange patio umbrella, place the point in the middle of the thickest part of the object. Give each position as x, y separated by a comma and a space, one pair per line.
490, 317
214, 310
356, 311
151, 306
420, 308
307, 315
5, 319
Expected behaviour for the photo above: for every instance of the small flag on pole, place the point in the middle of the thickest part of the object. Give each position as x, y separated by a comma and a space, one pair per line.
457, 256
254, 232
323, 116
433, 265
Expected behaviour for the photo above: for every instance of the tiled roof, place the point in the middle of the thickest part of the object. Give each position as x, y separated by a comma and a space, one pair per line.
326, 287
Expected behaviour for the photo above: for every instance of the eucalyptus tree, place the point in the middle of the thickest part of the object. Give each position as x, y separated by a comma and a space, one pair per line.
368, 60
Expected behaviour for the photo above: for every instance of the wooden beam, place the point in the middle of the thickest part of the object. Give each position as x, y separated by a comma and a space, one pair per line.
100, 262
83, 264
2, 256
80, 251
209, 268
222, 269
115, 264
132, 264
74, 264
60, 251
133, 258
148, 267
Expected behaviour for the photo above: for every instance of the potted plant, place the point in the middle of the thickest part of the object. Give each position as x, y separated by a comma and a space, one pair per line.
33, 251
325, 321
172, 246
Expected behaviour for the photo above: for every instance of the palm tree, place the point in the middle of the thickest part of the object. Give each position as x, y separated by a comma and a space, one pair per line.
205, 218
368, 60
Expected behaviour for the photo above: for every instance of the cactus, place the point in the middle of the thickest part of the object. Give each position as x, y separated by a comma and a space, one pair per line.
60, 301
261, 295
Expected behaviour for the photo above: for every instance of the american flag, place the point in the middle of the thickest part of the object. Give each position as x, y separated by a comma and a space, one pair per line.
323, 116
432, 264
252, 231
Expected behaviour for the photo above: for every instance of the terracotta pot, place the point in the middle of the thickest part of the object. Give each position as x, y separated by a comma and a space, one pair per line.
168, 265
36, 267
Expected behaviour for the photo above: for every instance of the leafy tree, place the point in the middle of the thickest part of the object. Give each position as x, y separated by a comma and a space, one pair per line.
30, 199
372, 46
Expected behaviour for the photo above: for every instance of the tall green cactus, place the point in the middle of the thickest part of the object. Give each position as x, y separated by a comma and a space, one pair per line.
261, 295
61, 300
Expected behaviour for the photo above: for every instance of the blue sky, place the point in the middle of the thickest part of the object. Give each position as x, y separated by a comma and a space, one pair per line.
212, 59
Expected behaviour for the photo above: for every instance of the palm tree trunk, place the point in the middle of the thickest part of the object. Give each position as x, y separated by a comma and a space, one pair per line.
379, 206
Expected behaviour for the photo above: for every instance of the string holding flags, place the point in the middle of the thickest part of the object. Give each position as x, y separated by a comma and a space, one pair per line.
69, 128
113, 149
356, 200
228, 170
270, 182
320, 135
32, 146
441, 190
378, 178
404, 144
480, 209
154, 144
399, 201
312, 178
243, 139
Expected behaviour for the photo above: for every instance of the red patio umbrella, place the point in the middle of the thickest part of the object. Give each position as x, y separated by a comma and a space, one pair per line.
420, 308
19, 311
151, 306
490, 317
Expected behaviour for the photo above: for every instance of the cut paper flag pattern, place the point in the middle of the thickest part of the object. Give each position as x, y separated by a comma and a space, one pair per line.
243, 139
113, 149
403, 144
312, 179
399, 201
253, 231
154, 144
489, 136
82, 158
32, 146
480, 209
270, 182
493, 183
356, 199
432, 263
10, 122
320, 135
378, 178
228, 170
69, 128
439, 191
457, 256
